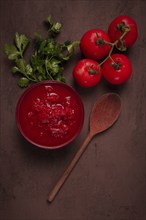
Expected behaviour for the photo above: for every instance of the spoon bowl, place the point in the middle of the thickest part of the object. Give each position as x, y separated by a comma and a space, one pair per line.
104, 114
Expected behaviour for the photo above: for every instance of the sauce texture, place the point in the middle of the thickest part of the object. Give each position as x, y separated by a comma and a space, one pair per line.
50, 114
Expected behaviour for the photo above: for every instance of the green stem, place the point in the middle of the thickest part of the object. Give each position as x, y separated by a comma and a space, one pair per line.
124, 34
29, 78
112, 47
109, 55
75, 43
48, 72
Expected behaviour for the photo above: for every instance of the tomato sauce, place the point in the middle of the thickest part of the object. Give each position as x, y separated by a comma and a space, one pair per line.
50, 114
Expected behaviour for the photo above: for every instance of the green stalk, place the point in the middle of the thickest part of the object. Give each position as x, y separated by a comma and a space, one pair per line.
113, 45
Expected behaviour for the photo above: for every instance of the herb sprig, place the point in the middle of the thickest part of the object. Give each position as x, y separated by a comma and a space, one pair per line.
46, 62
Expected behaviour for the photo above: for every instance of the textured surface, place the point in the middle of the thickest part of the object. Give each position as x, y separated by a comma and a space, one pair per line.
109, 182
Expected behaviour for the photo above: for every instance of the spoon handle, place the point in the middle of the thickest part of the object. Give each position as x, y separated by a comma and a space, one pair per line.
69, 168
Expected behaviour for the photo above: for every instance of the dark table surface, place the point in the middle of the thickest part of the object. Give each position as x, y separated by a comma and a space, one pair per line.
109, 182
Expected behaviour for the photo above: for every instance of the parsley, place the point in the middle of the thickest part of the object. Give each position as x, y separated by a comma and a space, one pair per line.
46, 61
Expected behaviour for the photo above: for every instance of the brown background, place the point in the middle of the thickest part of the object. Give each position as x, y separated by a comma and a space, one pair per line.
109, 182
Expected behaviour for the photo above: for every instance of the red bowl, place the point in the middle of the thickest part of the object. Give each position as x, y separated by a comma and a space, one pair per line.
50, 114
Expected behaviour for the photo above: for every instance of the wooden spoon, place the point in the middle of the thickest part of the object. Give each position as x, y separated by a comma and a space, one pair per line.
104, 114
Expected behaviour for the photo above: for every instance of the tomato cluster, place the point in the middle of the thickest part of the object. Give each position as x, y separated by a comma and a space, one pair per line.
97, 48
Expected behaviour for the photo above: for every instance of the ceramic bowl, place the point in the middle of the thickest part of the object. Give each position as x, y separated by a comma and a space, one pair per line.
50, 114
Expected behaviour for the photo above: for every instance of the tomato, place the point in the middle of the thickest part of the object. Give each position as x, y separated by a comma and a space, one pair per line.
117, 69
87, 73
117, 28
94, 44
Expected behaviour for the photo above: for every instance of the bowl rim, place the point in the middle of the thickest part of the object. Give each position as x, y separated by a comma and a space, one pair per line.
49, 82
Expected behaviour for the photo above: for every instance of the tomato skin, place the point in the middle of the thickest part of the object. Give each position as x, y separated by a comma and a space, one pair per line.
90, 46
115, 33
120, 75
82, 74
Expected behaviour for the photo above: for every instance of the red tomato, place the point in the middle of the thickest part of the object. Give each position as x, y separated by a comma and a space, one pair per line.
93, 44
117, 69
119, 25
87, 73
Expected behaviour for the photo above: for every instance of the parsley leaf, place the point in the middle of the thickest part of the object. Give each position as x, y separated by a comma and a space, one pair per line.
11, 51
21, 42
23, 82
54, 28
47, 59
